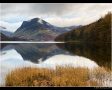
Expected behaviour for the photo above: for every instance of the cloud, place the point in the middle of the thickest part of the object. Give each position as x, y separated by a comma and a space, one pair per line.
12, 27
36, 8
60, 14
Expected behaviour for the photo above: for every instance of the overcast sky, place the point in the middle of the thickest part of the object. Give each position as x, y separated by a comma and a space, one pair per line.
60, 14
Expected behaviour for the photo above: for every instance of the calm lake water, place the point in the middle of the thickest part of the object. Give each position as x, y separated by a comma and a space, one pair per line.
50, 55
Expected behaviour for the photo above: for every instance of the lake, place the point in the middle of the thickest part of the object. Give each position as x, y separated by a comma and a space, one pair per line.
50, 55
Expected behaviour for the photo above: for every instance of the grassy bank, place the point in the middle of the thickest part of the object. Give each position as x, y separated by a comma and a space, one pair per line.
66, 76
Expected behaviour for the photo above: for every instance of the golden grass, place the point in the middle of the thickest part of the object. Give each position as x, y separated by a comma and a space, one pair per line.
61, 76
47, 77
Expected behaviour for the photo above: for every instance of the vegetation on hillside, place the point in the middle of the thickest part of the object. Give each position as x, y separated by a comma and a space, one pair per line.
98, 31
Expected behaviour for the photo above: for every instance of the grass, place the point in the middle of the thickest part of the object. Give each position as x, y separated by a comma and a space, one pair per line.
61, 76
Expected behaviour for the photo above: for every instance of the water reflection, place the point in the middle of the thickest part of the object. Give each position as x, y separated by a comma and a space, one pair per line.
99, 52
33, 52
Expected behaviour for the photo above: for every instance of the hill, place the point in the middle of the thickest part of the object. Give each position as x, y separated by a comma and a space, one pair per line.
98, 31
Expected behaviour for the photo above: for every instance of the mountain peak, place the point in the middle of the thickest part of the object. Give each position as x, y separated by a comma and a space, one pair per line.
31, 22
36, 20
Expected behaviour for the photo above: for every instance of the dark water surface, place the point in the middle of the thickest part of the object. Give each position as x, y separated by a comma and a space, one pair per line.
99, 52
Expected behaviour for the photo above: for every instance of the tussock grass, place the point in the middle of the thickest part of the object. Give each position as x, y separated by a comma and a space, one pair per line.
61, 76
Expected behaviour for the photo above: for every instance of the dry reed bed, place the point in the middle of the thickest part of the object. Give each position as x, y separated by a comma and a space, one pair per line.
61, 76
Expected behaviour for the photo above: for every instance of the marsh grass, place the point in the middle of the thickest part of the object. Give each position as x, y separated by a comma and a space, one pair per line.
61, 76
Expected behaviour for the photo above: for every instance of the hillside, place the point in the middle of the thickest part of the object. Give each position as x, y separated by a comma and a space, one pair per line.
98, 31
3, 37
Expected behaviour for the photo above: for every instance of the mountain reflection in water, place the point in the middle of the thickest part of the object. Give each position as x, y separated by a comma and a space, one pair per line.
100, 53
34, 52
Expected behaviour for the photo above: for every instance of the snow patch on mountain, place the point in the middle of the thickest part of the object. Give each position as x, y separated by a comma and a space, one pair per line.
40, 21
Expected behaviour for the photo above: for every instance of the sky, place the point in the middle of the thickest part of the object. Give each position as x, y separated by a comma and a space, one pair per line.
59, 14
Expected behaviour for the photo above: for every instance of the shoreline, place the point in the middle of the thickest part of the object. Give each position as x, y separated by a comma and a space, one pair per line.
29, 42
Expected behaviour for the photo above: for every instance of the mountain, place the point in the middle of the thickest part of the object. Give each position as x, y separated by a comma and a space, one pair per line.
3, 34
98, 31
5, 31
7, 36
39, 30
3, 37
